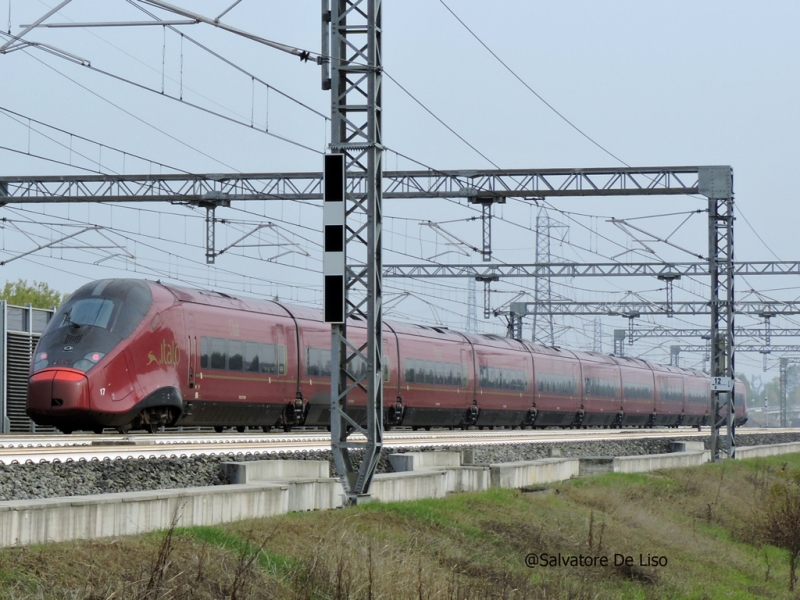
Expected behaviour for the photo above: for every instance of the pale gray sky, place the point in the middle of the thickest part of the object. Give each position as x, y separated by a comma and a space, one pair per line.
655, 83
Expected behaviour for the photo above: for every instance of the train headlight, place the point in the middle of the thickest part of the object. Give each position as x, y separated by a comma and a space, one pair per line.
88, 361
40, 361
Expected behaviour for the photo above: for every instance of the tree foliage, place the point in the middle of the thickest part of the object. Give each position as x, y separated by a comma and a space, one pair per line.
38, 293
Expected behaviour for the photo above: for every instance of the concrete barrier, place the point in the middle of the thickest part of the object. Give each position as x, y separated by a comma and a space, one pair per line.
687, 446
272, 470
457, 478
413, 461
268, 488
521, 474
413, 485
745, 452
653, 462
59, 519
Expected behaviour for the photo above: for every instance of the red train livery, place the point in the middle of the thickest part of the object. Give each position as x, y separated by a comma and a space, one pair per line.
128, 353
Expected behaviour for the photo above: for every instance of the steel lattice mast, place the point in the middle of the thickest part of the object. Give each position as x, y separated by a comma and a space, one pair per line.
716, 183
543, 330
355, 64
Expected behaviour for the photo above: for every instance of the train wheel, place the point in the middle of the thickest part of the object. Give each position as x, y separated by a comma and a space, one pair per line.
428, 428
414, 428
98, 430
151, 427
241, 428
69, 431
287, 428
266, 428
219, 428
123, 429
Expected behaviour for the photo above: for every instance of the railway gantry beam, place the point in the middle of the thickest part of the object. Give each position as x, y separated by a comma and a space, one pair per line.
356, 75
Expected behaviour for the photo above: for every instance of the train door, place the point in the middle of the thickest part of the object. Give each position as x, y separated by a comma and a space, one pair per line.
468, 390
191, 354
280, 380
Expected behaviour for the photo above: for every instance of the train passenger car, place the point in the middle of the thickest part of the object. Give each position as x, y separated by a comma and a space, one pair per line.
128, 354
558, 397
602, 390
697, 407
669, 395
436, 377
638, 391
504, 387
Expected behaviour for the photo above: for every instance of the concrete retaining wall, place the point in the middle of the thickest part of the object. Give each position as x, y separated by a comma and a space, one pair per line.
653, 462
521, 474
745, 452
267, 488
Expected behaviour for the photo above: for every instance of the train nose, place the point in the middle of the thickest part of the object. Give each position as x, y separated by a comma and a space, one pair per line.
58, 391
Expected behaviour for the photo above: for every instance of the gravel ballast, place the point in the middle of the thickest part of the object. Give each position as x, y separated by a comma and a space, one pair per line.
52, 480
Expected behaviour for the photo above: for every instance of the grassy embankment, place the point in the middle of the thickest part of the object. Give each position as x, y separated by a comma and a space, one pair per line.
706, 521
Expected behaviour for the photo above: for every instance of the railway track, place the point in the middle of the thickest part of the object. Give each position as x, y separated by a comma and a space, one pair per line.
16, 449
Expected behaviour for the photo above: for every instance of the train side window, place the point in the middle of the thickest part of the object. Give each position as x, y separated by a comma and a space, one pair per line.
429, 375
438, 373
251, 358
312, 362
638, 391
219, 350
318, 362
386, 369
205, 344
267, 362
281, 352
410, 368
551, 383
235, 355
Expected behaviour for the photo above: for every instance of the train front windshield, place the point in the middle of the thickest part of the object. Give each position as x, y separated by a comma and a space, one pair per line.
91, 322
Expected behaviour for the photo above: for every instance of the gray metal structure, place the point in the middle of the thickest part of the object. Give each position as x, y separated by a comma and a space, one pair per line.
20, 330
741, 332
512, 183
784, 381
543, 329
355, 83
715, 183
633, 310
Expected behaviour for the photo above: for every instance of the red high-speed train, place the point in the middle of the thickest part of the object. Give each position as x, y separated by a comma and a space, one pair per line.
128, 353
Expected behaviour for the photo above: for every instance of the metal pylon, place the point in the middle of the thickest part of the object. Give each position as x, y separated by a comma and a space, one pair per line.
472, 306
355, 84
716, 184
543, 329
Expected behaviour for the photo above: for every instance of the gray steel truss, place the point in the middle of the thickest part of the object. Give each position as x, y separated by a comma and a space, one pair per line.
636, 309
760, 348
514, 183
740, 332
543, 329
356, 76
716, 183
549, 270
